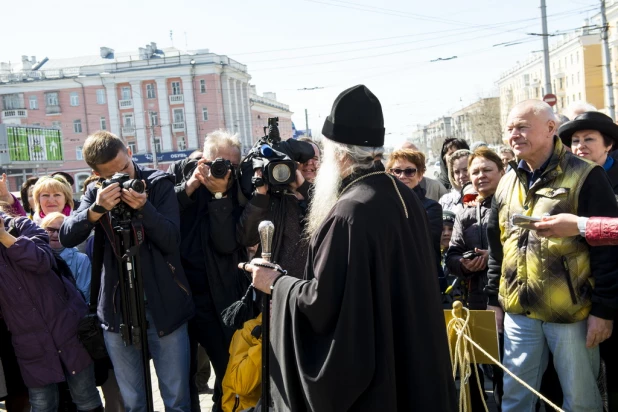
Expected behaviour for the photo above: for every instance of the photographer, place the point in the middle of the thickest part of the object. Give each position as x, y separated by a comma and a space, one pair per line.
209, 212
286, 207
167, 295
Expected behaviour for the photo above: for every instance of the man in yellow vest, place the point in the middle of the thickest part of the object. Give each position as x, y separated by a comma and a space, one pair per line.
550, 294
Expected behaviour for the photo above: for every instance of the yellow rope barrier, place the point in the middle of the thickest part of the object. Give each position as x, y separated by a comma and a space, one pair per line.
461, 359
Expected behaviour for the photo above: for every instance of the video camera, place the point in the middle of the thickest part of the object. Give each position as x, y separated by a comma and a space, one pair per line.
125, 182
277, 160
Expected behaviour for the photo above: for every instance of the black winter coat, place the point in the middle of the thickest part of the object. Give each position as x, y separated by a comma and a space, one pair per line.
165, 285
467, 235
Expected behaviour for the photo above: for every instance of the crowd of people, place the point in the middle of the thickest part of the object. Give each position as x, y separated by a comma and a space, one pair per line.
368, 251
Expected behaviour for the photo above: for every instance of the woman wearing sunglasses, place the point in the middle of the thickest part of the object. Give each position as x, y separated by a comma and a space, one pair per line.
409, 167
52, 194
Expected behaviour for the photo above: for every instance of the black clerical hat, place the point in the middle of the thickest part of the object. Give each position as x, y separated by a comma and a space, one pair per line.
589, 121
356, 119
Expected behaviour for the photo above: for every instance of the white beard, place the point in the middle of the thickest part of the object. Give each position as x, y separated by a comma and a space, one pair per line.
326, 189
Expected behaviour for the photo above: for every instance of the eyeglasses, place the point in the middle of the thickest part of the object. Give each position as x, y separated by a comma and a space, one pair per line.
52, 230
409, 172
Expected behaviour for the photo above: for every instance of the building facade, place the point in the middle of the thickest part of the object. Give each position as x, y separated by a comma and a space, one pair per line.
266, 106
575, 68
157, 100
479, 121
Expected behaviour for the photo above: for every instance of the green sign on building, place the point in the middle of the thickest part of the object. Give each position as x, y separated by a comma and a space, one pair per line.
34, 144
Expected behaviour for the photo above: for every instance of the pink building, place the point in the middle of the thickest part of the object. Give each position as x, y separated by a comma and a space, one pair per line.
162, 101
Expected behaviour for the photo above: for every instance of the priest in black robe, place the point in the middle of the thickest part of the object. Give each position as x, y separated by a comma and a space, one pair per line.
364, 330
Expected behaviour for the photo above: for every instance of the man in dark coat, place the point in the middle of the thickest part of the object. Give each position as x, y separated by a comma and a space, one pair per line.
209, 212
364, 331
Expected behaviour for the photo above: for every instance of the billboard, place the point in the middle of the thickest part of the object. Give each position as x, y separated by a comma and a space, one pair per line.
31, 144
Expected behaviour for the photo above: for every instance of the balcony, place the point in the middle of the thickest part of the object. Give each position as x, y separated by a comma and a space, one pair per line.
178, 126
128, 130
559, 73
125, 104
53, 109
177, 99
14, 114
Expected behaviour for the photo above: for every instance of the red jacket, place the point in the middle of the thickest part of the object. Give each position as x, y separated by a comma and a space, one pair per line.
602, 231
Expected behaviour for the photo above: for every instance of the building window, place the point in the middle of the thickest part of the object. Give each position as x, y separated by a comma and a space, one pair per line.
127, 120
77, 126
150, 91
157, 142
51, 99
202, 86
56, 125
131, 146
577, 57
154, 118
179, 116
126, 93
74, 99
205, 114
175, 88
36, 124
13, 101
100, 96
580, 95
578, 78
566, 81
572, 80
78, 153
182, 145
571, 58
34, 103
103, 121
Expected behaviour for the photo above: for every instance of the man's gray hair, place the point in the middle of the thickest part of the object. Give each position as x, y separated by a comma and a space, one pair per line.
576, 108
217, 139
506, 149
360, 157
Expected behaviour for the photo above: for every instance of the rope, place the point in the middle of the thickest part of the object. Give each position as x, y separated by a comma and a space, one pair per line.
461, 359
460, 326
405, 209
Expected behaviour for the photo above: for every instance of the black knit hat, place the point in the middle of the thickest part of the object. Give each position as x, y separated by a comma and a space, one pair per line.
589, 121
356, 119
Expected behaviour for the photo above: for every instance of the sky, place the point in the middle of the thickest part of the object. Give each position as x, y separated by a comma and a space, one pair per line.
293, 45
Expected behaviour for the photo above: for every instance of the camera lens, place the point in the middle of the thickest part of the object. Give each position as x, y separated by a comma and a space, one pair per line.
136, 185
281, 173
219, 169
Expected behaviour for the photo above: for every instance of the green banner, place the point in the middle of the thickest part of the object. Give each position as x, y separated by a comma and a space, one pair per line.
34, 144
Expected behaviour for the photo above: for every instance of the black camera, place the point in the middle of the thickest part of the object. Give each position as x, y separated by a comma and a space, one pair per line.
469, 255
277, 159
219, 167
125, 182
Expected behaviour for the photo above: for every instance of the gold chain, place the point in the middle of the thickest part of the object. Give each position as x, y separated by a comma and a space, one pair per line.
405, 209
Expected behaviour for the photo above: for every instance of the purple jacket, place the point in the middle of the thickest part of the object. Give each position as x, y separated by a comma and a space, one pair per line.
41, 310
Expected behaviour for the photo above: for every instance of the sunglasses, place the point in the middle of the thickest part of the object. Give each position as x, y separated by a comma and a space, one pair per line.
52, 230
409, 172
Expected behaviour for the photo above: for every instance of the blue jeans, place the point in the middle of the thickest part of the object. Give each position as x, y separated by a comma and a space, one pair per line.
527, 343
83, 391
171, 360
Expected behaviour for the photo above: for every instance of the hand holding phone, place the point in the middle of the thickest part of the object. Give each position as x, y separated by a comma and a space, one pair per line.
525, 222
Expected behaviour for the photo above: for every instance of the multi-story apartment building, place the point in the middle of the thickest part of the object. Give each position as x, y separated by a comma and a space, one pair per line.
575, 67
163, 100
479, 121
439, 130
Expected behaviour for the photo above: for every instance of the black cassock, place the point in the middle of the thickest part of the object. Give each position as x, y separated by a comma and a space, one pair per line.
365, 331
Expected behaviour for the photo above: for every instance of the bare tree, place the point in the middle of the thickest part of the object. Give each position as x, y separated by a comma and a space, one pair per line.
484, 121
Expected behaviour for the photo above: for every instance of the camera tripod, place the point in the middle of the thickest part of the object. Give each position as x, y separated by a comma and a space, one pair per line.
134, 326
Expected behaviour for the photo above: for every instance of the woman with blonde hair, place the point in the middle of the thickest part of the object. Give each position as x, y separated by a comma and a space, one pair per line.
52, 194
457, 163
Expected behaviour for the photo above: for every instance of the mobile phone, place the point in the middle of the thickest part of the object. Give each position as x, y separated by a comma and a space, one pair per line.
469, 255
525, 222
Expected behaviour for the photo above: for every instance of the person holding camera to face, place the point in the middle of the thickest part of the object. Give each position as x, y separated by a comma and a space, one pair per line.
284, 204
209, 212
148, 197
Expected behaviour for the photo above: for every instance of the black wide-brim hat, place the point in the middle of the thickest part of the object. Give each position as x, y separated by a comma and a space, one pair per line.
356, 119
589, 121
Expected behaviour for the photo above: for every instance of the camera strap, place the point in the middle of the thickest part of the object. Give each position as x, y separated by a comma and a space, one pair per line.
97, 267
